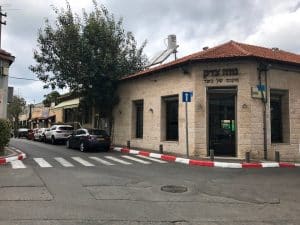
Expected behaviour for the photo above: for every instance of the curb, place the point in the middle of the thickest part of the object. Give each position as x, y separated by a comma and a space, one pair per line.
19, 155
207, 163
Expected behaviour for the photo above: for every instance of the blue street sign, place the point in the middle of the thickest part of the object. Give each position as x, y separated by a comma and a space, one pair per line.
187, 96
261, 87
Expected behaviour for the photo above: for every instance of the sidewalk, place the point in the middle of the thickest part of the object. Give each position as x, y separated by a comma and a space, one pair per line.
13, 154
221, 163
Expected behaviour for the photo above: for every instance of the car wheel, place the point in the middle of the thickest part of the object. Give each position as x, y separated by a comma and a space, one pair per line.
82, 147
68, 144
53, 140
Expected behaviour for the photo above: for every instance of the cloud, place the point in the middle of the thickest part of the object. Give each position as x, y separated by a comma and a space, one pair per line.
280, 30
270, 23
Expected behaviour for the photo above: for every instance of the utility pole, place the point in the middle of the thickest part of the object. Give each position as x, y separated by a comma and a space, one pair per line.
1, 23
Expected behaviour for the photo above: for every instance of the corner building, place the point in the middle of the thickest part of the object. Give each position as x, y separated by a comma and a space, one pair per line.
245, 99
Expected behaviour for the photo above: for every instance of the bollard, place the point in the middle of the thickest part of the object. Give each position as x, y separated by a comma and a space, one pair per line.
212, 154
161, 149
277, 156
247, 157
128, 144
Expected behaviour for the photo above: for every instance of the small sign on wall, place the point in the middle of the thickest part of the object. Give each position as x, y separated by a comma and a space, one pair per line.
258, 92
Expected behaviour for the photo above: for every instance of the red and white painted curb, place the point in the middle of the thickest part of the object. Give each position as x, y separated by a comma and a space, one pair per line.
19, 156
207, 163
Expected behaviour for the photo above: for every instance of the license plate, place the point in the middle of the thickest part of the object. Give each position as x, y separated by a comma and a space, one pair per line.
100, 139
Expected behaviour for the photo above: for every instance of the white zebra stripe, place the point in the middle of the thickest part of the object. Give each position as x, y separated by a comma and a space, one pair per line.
82, 161
118, 160
102, 161
135, 159
64, 162
17, 164
42, 162
151, 159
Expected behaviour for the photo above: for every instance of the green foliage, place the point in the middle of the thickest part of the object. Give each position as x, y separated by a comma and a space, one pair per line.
5, 129
14, 109
89, 55
51, 97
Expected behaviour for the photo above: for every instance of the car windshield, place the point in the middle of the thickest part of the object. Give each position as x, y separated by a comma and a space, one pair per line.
65, 128
98, 132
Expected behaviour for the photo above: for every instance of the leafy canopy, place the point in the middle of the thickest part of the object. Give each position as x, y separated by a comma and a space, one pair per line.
51, 97
5, 128
15, 108
88, 54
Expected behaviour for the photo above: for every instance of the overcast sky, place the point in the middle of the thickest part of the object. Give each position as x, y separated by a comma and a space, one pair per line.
197, 23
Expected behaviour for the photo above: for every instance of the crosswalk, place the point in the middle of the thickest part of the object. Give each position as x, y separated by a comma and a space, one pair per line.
90, 161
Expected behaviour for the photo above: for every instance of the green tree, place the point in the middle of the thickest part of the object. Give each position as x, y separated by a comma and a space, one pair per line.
5, 128
51, 97
88, 54
14, 109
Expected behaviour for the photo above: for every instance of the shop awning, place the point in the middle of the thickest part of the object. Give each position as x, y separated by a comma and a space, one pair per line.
73, 103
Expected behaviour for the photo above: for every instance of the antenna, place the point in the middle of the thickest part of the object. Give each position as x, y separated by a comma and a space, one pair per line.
161, 56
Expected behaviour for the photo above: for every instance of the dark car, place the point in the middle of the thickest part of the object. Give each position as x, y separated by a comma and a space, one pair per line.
87, 139
30, 135
22, 132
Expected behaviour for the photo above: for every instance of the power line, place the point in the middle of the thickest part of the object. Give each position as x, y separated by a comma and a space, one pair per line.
23, 78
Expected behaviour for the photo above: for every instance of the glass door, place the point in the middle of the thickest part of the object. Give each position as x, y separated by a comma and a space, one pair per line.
222, 123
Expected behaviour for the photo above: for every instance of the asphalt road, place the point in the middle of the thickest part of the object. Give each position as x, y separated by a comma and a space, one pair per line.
55, 185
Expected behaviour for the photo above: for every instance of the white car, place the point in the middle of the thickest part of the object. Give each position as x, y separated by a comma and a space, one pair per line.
58, 133
39, 134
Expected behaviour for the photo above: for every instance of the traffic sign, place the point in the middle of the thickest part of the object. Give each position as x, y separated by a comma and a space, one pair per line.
187, 96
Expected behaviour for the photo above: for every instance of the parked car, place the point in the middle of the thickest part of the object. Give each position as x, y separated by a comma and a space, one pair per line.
39, 134
30, 135
86, 139
58, 133
22, 132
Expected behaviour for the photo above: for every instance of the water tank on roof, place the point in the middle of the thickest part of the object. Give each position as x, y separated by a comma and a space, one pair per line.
172, 43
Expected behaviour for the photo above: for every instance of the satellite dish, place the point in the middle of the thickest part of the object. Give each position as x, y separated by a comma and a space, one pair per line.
161, 56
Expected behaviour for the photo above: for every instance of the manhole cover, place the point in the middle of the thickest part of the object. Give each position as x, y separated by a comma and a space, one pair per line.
173, 189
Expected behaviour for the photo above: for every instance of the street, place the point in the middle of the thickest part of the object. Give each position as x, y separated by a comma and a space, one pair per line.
56, 185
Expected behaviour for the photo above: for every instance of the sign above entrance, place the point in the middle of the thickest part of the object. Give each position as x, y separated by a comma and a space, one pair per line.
187, 96
218, 76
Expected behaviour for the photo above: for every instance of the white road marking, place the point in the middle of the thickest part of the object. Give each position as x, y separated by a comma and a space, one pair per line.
17, 164
82, 161
118, 160
64, 162
102, 161
135, 159
42, 162
152, 159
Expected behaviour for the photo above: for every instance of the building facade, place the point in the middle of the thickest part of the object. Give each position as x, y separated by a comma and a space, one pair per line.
6, 59
245, 99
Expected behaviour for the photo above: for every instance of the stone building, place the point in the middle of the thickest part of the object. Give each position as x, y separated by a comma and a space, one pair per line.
245, 99
6, 59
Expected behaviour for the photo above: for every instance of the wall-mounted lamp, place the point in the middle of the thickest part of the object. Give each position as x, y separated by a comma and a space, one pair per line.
244, 106
151, 110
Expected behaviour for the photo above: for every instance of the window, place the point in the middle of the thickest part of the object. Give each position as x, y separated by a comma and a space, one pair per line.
138, 118
170, 108
279, 110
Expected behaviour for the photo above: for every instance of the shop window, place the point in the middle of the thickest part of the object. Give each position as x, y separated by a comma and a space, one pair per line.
170, 118
279, 110
138, 118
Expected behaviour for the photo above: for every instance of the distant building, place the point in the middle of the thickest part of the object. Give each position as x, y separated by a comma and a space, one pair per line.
6, 59
245, 99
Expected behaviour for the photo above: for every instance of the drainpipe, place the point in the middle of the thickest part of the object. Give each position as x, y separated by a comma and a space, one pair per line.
264, 68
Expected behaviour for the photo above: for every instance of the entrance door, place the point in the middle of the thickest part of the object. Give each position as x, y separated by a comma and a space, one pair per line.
222, 122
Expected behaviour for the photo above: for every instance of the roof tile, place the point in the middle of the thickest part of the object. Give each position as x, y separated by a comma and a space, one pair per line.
229, 49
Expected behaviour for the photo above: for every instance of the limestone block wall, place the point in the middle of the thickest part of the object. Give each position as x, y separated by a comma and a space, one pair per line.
151, 89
